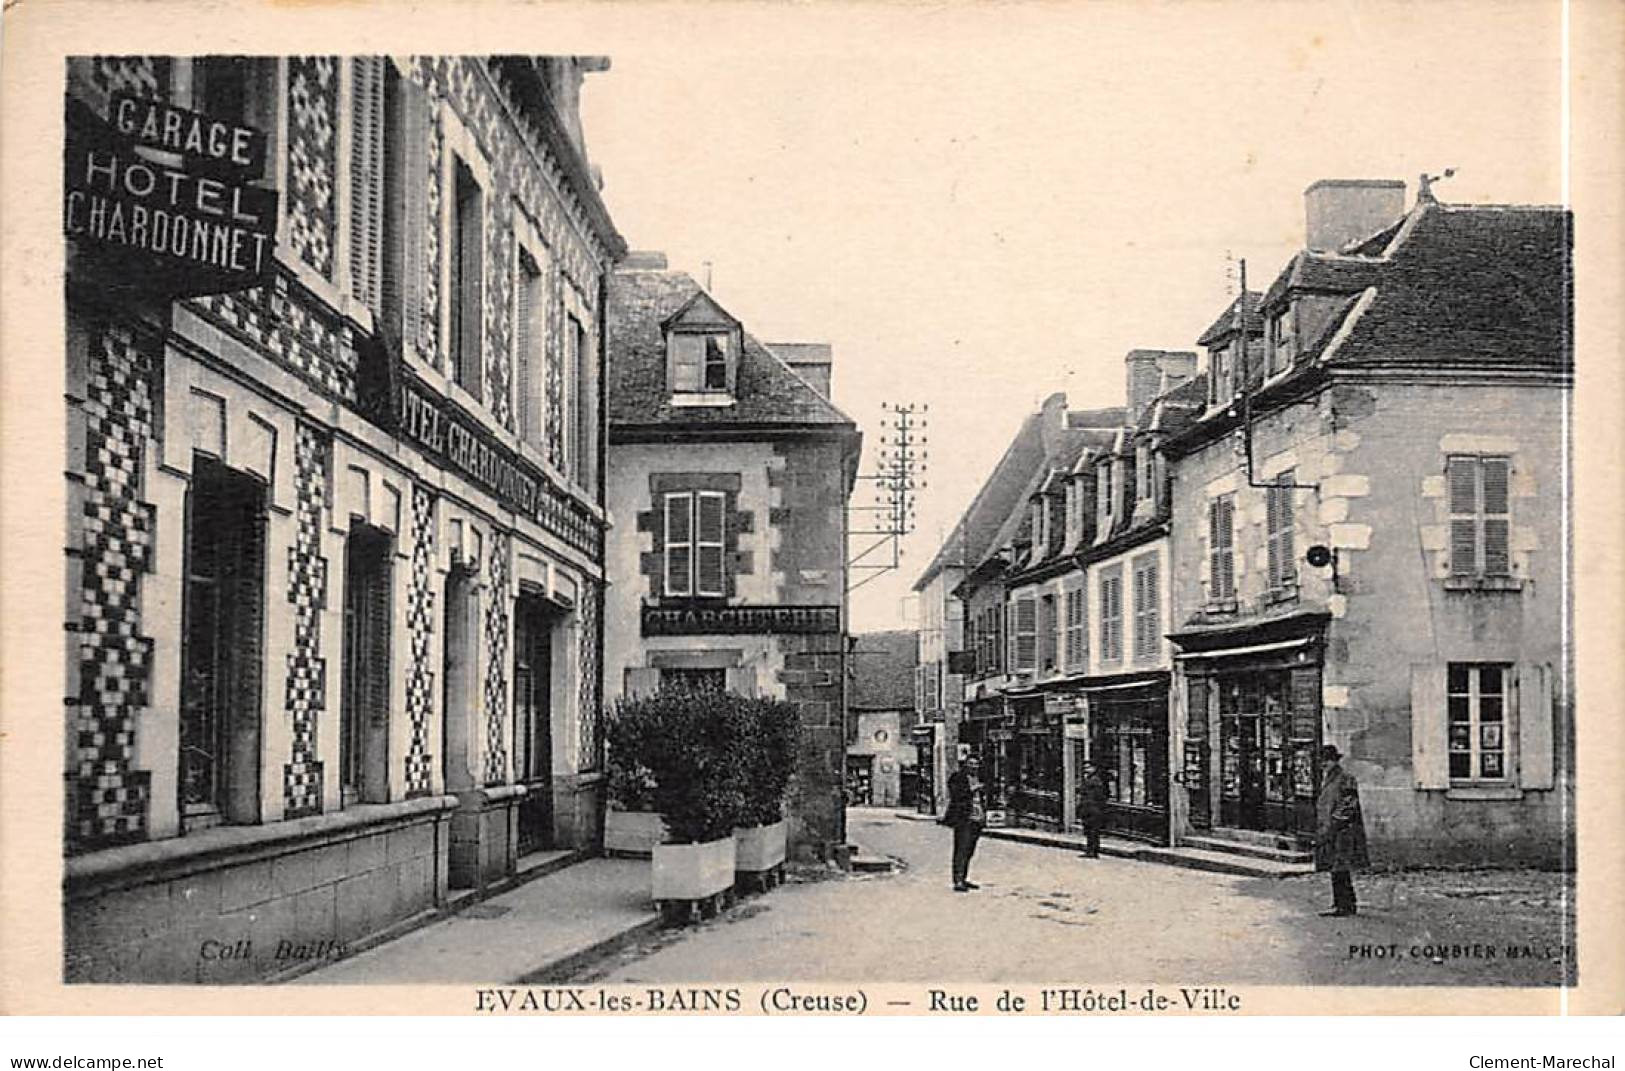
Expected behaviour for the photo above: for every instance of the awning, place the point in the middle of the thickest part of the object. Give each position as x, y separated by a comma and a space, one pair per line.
1255, 648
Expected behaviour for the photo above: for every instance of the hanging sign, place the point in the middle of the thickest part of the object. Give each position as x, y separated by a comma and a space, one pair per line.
159, 201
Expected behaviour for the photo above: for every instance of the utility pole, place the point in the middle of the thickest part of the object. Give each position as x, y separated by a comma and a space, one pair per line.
899, 476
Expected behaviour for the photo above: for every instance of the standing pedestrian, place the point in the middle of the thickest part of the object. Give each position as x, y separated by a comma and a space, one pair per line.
1092, 808
1340, 834
965, 816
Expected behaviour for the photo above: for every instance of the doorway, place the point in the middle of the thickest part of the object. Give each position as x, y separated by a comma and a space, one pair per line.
1267, 748
461, 618
534, 627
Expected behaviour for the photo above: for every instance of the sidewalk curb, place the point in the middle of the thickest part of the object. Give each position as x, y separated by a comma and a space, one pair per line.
559, 970
1185, 858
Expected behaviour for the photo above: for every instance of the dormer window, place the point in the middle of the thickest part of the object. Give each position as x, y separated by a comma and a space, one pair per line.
1282, 340
1221, 384
703, 344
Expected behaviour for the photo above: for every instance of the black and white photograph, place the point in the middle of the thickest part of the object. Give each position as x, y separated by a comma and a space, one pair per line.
1076, 501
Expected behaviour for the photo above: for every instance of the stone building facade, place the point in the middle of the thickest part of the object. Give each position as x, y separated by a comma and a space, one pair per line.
335, 527
730, 471
1369, 536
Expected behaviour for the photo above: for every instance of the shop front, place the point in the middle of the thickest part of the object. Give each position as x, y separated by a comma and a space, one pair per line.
1128, 743
1035, 801
921, 779
987, 737
1253, 729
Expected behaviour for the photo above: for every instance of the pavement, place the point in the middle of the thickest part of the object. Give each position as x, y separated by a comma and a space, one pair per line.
532, 933
1042, 913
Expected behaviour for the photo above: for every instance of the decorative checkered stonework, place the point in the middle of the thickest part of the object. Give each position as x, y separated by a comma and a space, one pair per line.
592, 598
312, 211
498, 304
109, 798
286, 322
429, 307
307, 591
142, 76
496, 668
555, 374
420, 628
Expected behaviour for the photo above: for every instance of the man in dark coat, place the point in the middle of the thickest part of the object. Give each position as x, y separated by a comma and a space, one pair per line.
1340, 834
964, 815
1091, 808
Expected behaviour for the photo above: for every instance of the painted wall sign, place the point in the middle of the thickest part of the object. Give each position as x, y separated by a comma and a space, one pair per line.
155, 224
460, 441
703, 620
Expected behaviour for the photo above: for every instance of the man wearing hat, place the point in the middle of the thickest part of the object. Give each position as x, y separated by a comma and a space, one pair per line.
1340, 835
965, 816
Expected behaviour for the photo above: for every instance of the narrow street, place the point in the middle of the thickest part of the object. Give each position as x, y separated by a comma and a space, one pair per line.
1040, 915
1044, 914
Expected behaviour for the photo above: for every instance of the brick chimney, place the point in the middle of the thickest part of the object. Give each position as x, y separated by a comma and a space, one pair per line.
643, 260
1340, 211
1151, 373
812, 361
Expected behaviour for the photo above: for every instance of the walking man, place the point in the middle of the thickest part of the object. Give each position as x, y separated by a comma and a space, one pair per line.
964, 816
1340, 835
1092, 808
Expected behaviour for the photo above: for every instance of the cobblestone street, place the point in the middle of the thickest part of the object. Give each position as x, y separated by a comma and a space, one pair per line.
1046, 915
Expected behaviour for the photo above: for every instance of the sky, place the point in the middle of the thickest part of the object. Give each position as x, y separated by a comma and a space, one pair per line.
979, 206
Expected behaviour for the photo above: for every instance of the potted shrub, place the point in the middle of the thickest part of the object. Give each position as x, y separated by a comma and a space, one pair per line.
632, 826
691, 747
772, 729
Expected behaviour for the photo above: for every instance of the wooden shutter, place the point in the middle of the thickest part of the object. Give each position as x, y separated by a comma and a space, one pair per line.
1287, 576
1221, 556
1025, 633
366, 177
244, 584
679, 541
1430, 761
1536, 768
406, 215
741, 680
640, 682
708, 544
528, 346
1495, 472
1461, 476
1145, 610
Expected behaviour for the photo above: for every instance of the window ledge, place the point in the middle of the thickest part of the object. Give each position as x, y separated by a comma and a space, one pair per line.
701, 400
1280, 595
1483, 583
1483, 792
1222, 608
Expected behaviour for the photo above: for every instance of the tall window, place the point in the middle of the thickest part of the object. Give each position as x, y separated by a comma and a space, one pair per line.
465, 290
1147, 620
530, 334
1477, 699
224, 637
1479, 519
1283, 562
364, 715
1077, 636
694, 544
1048, 634
1221, 383
1111, 614
1103, 487
1024, 633
1221, 527
716, 362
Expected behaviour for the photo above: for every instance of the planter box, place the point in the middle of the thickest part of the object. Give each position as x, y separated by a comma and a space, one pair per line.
632, 833
693, 872
760, 847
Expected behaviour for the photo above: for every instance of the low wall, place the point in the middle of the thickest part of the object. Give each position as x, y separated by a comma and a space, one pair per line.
239, 904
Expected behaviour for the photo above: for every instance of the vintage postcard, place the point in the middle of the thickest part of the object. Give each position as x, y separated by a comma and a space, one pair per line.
1032, 509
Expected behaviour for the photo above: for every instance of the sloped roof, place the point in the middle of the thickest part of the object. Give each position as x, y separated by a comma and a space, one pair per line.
882, 670
1225, 324
1323, 273
767, 391
1110, 417
1483, 284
